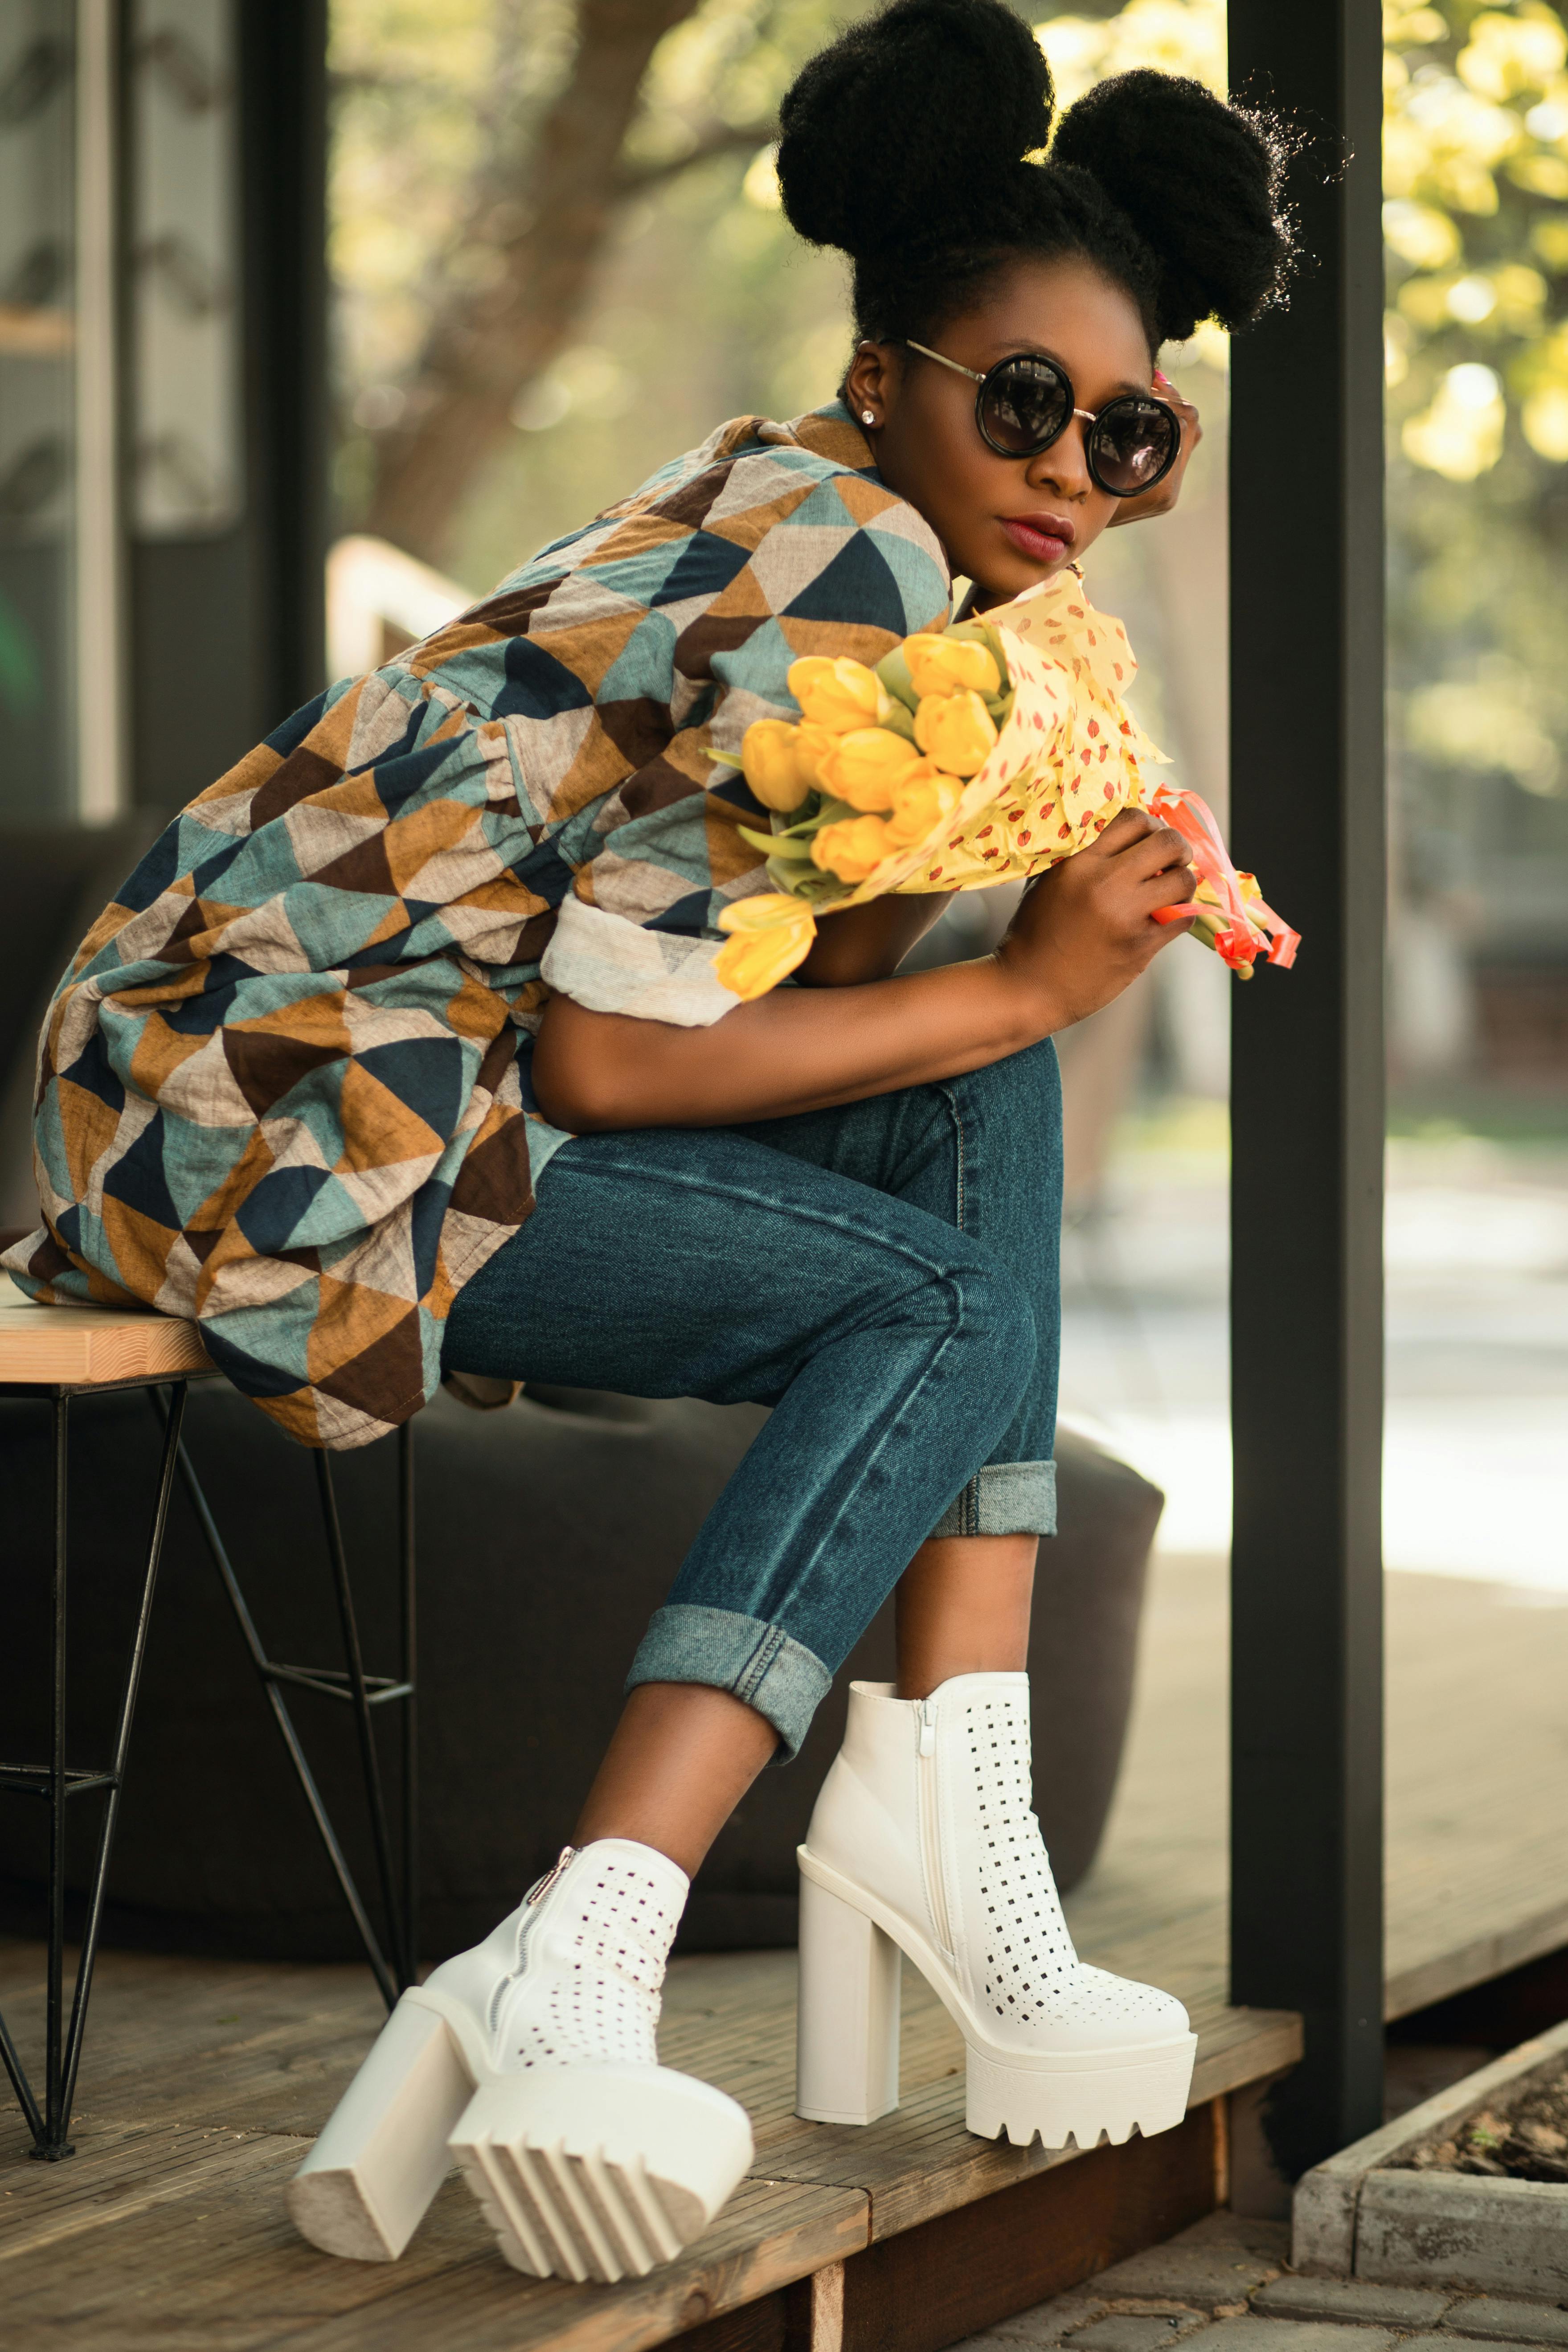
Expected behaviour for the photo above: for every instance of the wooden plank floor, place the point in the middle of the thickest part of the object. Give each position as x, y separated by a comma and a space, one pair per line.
204, 2081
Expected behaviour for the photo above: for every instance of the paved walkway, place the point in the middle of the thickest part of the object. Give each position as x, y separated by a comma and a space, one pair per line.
1227, 2281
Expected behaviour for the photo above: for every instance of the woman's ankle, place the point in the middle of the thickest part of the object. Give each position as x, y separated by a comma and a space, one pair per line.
682, 1757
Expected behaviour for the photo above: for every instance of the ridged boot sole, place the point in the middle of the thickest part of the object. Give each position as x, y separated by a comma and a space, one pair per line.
600, 2172
1079, 2096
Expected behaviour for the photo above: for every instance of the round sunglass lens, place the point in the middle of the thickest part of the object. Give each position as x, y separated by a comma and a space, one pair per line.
1024, 407
1132, 444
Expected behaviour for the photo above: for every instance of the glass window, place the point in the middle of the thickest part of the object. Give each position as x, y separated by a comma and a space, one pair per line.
37, 409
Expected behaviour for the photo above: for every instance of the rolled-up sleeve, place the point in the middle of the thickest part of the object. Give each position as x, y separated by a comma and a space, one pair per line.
613, 965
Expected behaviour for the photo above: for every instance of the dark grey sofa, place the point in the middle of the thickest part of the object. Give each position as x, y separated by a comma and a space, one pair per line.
548, 1533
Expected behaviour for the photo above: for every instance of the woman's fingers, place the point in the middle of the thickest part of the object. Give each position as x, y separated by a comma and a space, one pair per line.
1127, 828
1141, 845
1174, 890
1164, 496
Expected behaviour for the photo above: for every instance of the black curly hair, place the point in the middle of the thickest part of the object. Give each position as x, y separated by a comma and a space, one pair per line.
911, 143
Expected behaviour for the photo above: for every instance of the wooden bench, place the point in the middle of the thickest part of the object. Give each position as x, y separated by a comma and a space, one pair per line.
57, 1355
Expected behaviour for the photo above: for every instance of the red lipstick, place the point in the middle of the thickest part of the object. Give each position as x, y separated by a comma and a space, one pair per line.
1041, 537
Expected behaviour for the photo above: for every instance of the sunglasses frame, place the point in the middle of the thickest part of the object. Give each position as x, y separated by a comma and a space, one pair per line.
1090, 418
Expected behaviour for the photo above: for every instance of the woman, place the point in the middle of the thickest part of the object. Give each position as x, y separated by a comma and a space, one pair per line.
456, 937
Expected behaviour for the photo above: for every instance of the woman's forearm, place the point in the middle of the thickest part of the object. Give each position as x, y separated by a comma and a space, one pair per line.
870, 942
1079, 934
796, 1049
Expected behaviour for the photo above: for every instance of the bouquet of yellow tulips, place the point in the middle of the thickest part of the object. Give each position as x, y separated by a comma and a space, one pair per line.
982, 753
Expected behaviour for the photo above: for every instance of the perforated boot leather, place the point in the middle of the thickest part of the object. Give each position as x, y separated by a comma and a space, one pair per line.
533, 2058
573, 1977
924, 1839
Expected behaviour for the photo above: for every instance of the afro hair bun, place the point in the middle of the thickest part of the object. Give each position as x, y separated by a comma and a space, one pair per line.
909, 143
1199, 181
924, 110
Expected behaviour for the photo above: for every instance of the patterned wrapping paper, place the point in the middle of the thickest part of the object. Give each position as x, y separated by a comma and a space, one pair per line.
284, 1085
1070, 755
1073, 667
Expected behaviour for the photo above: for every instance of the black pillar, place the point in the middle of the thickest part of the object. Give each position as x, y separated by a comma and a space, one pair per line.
283, 176
1306, 813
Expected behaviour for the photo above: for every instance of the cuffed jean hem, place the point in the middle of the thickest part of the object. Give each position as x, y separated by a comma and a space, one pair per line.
1005, 1499
785, 1681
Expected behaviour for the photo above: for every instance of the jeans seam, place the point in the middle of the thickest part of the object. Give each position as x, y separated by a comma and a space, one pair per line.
969, 1500
754, 1673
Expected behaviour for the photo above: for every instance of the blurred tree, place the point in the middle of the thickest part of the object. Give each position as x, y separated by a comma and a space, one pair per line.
566, 126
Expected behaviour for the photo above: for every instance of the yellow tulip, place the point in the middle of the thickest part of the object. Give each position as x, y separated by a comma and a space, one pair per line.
956, 730
839, 694
812, 743
864, 766
947, 664
769, 756
769, 935
852, 848
922, 800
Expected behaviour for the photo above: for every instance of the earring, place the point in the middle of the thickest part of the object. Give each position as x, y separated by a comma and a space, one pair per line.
868, 416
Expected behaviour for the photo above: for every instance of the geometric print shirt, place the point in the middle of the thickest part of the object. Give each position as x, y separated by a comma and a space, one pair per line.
284, 1085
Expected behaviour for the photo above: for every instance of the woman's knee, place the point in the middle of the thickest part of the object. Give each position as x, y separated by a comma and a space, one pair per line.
993, 1316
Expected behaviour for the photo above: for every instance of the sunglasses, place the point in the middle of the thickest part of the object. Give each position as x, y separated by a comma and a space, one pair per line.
1025, 402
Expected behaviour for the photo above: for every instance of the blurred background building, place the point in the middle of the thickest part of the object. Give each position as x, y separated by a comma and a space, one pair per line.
316, 320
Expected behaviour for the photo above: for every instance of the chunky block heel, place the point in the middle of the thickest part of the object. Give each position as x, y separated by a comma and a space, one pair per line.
367, 2184
847, 2044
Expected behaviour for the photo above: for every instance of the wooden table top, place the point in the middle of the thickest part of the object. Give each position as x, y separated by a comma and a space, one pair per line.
92, 1346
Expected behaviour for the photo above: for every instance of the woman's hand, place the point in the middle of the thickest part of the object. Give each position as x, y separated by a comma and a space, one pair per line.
1164, 496
1084, 930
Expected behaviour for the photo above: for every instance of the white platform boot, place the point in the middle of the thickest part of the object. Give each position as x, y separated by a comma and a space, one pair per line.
532, 2059
924, 1840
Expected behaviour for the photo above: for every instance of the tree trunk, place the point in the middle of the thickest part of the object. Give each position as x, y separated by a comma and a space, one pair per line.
486, 348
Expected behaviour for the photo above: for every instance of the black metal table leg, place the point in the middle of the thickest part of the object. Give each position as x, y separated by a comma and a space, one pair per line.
391, 1966
410, 1668
57, 1784
358, 1693
54, 1991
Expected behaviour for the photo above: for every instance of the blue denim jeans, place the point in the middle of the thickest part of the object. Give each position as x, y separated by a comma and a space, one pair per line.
884, 1276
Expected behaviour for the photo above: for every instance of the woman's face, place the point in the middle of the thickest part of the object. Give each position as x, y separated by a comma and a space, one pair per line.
1008, 523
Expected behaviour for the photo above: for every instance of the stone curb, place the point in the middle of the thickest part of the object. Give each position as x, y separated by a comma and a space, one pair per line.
1416, 2222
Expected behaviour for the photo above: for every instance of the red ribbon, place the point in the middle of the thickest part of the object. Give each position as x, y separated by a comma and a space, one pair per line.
1251, 926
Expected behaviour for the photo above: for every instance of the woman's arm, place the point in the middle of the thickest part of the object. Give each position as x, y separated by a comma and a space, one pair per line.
1082, 932
870, 943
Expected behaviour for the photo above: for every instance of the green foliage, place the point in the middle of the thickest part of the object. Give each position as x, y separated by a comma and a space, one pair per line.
1476, 225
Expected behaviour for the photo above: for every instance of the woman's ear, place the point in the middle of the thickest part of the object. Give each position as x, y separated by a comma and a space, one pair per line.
871, 384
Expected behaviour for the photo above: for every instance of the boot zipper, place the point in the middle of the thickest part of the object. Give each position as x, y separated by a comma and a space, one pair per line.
542, 1886
530, 1902
931, 1841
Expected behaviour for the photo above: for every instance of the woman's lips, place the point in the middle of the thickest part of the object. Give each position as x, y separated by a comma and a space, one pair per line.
1043, 539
